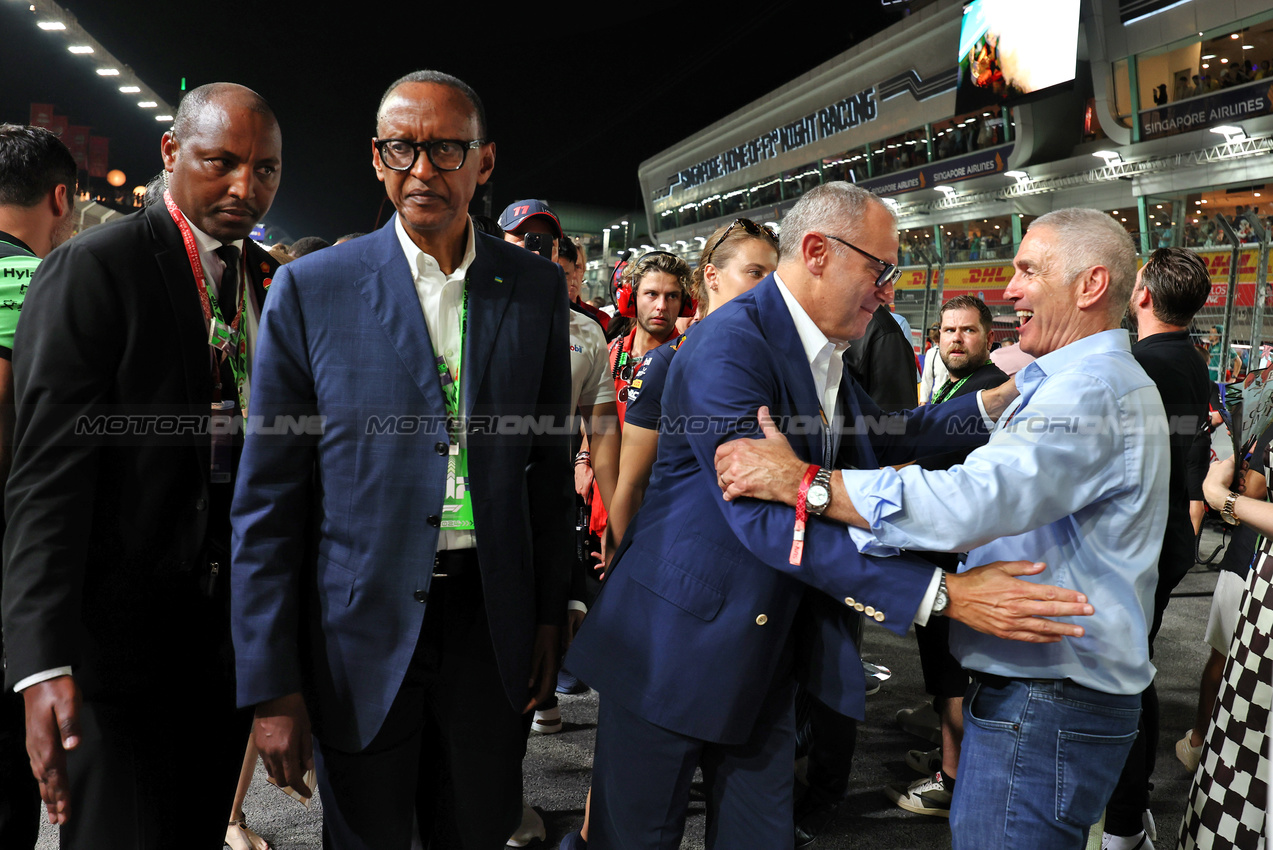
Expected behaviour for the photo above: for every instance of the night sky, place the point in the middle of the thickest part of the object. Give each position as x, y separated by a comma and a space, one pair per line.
576, 97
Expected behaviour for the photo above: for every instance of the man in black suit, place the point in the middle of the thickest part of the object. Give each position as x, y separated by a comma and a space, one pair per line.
114, 600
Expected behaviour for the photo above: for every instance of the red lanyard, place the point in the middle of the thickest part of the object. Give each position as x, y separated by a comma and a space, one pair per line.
236, 346
210, 308
802, 516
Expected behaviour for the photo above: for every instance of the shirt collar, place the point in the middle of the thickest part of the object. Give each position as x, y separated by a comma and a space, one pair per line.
1066, 356
16, 242
208, 244
424, 264
813, 340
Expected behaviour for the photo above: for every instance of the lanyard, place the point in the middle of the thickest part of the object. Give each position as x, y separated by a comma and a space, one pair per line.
226, 338
622, 354
449, 379
947, 392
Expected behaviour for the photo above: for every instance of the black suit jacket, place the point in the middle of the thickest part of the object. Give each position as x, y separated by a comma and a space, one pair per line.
883, 363
108, 502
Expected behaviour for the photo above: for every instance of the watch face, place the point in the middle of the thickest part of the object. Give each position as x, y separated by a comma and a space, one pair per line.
817, 496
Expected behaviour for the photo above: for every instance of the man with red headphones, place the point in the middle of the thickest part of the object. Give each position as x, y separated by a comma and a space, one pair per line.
654, 290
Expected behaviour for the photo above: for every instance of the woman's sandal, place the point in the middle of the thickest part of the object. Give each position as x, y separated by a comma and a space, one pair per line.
239, 836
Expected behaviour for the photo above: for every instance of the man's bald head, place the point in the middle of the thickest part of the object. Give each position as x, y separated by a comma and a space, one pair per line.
196, 102
222, 157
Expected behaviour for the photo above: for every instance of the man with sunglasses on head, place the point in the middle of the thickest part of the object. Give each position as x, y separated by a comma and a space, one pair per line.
713, 609
422, 625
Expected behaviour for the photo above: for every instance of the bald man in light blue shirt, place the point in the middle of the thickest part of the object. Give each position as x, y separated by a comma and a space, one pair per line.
1075, 475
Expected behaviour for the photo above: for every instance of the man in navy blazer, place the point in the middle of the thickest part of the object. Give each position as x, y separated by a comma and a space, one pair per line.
360, 601
704, 622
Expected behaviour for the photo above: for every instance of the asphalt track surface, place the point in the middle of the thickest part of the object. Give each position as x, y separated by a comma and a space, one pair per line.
558, 767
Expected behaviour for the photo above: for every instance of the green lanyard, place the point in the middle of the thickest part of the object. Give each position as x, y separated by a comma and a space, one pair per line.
451, 383
457, 501
949, 391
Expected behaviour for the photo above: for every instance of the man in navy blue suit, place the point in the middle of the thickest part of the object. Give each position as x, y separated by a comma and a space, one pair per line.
713, 608
400, 572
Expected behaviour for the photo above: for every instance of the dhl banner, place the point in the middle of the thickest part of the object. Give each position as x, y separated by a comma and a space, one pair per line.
988, 280
914, 278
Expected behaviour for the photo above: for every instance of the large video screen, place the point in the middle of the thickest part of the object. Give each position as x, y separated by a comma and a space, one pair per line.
1013, 50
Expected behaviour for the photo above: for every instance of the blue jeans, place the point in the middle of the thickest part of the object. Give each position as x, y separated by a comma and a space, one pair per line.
1040, 760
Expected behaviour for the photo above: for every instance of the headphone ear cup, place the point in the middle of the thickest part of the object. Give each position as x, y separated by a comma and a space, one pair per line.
626, 307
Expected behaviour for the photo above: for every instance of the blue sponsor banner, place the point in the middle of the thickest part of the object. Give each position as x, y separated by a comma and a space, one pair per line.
1220, 107
979, 164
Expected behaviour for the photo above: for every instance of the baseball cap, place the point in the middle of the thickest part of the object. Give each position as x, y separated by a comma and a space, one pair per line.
518, 211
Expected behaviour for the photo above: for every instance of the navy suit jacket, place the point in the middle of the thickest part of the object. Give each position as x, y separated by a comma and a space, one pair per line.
702, 620
335, 527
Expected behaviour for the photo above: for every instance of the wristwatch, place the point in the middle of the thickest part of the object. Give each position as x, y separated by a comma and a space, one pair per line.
1226, 513
819, 495
942, 600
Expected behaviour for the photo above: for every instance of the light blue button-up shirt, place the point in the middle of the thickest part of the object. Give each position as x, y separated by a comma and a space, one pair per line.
1074, 475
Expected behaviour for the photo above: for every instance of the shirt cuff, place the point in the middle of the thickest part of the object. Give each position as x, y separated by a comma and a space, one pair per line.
576, 605
37, 678
877, 495
930, 596
985, 417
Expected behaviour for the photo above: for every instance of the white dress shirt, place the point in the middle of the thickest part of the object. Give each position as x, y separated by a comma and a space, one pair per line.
440, 298
826, 361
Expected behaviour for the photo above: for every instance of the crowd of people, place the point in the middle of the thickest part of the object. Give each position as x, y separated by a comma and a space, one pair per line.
362, 511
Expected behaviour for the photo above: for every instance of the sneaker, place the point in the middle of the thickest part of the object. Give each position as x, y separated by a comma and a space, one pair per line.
924, 762
875, 675
1188, 754
547, 722
928, 796
922, 721
1128, 842
531, 829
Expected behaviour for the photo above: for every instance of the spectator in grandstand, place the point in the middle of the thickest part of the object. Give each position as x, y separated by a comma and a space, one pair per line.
37, 206
307, 245
349, 236
1171, 288
1085, 419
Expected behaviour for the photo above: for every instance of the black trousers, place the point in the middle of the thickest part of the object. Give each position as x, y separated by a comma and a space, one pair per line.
20, 807
156, 775
450, 749
1131, 795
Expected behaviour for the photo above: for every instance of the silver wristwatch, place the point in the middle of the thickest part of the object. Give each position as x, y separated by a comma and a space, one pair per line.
819, 494
942, 601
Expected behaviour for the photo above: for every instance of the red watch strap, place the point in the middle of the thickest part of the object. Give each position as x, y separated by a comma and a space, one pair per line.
802, 515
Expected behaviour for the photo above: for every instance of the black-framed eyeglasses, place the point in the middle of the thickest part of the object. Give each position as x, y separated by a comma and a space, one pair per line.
751, 227
889, 275
443, 154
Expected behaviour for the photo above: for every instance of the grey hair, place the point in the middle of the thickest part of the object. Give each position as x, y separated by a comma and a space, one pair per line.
1092, 238
837, 207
